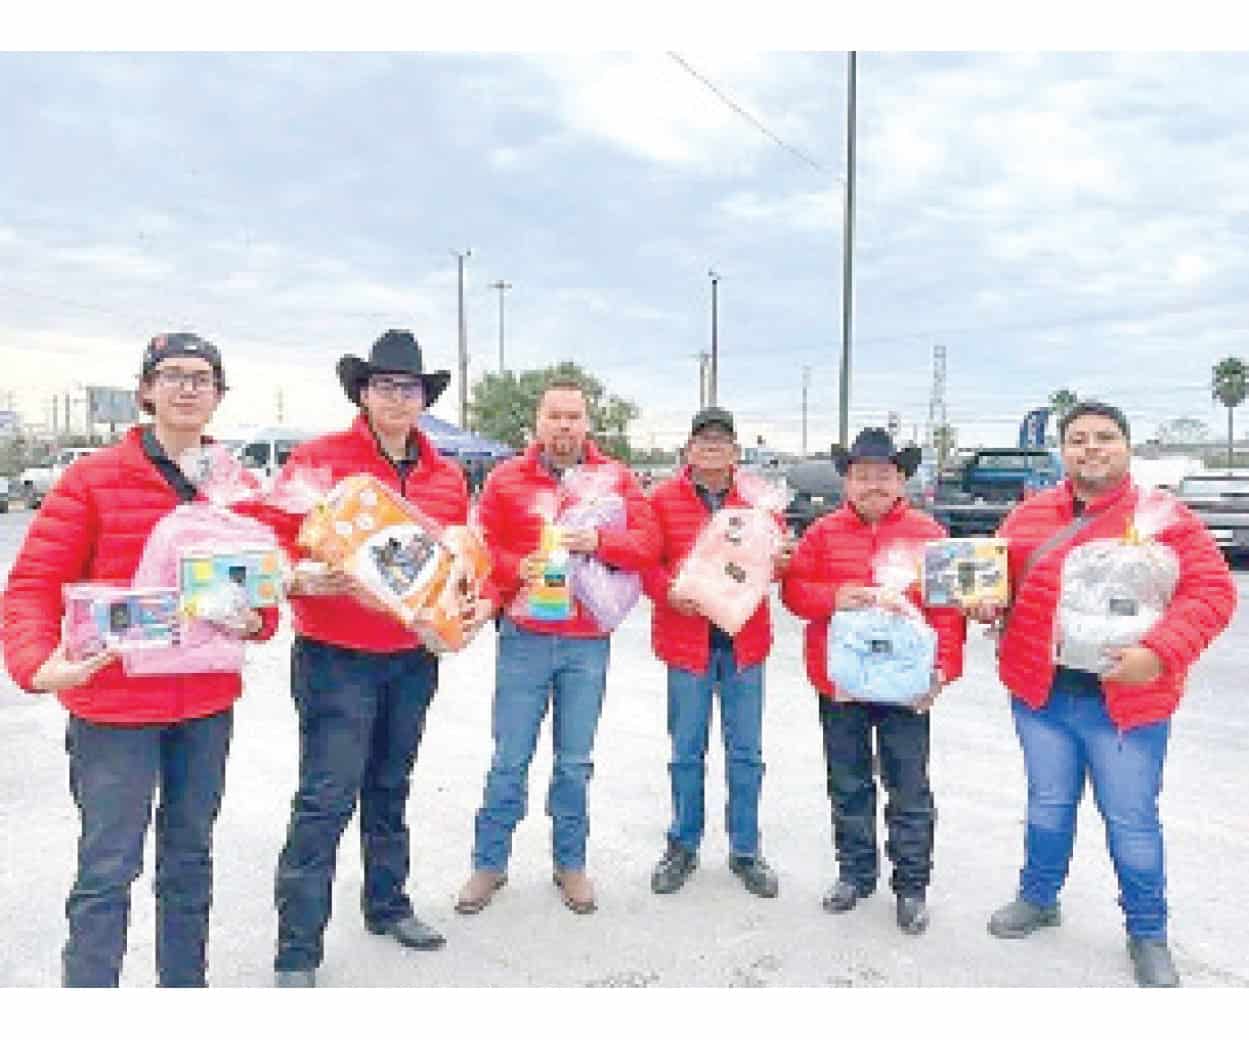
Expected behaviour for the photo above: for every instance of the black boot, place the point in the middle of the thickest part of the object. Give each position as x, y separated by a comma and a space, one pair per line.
759, 878
670, 872
843, 896
1152, 964
913, 914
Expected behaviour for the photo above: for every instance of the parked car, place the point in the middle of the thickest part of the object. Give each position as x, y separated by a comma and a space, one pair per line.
36, 481
817, 489
4, 494
265, 451
1221, 500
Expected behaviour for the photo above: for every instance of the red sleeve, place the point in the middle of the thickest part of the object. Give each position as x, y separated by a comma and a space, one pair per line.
805, 590
56, 551
637, 547
1204, 599
504, 577
950, 624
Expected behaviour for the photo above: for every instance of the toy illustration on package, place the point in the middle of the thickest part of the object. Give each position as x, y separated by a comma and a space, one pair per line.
102, 616
592, 501
966, 572
383, 540
1114, 590
548, 597
442, 623
730, 567
885, 653
203, 574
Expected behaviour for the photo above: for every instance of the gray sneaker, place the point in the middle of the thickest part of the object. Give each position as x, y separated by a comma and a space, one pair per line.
758, 877
1019, 918
1152, 964
677, 864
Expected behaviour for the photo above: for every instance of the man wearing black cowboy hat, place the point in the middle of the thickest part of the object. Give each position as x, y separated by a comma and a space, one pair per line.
832, 570
361, 681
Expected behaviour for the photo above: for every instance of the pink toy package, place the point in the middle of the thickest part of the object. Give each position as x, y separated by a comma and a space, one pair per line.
592, 501
107, 616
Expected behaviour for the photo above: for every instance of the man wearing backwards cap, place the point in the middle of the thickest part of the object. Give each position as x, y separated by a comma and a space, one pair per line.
700, 658
128, 736
831, 571
361, 681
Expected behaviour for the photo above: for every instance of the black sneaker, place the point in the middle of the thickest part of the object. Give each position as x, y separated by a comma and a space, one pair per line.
842, 897
759, 878
913, 914
1152, 964
677, 864
1019, 918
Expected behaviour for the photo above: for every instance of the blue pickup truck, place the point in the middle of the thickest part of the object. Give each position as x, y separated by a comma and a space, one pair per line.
990, 484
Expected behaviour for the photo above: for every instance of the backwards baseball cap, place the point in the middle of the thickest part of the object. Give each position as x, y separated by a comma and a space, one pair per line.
713, 416
181, 345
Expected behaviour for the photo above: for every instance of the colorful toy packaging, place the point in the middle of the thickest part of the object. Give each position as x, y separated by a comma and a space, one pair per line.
966, 572
204, 573
728, 571
886, 653
103, 616
1116, 590
441, 625
608, 594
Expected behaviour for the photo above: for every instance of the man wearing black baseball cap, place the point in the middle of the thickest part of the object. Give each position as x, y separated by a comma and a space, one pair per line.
702, 658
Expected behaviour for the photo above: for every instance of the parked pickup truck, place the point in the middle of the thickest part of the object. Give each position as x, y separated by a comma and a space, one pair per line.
989, 485
36, 481
1221, 501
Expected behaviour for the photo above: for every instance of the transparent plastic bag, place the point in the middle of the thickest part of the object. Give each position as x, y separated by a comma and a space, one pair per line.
546, 597
607, 593
218, 475
110, 616
1115, 590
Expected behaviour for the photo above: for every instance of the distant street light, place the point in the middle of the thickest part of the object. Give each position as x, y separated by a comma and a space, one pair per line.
713, 389
463, 340
502, 286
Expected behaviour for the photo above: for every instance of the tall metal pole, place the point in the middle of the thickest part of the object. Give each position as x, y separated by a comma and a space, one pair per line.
847, 255
463, 340
703, 359
715, 339
806, 382
502, 286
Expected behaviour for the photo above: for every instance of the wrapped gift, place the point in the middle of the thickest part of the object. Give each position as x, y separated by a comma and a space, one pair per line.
106, 616
388, 544
204, 572
1115, 590
441, 624
547, 596
607, 593
966, 572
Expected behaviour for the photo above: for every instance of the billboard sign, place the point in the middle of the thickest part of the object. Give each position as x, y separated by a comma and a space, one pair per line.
111, 405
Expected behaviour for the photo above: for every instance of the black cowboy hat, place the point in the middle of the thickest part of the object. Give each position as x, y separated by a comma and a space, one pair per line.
396, 350
875, 445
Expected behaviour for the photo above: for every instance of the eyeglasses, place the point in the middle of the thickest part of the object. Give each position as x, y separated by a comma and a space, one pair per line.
713, 440
408, 389
176, 379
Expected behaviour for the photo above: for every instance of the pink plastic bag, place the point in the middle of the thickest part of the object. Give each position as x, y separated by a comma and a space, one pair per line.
607, 593
203, 647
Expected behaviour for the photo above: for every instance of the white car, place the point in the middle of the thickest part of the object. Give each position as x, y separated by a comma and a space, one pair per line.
37, 481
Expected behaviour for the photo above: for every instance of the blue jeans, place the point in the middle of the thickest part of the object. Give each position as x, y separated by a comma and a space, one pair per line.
361, 717
113, 774
1069, 738
741, 724
532, 671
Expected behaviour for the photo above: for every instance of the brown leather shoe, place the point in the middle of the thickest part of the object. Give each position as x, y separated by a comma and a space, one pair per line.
577, 891
478, 890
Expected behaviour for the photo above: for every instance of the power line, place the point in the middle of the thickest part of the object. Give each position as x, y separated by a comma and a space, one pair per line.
746, 115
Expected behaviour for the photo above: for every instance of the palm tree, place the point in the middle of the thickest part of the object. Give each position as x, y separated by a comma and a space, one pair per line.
1062, 401
1229, 386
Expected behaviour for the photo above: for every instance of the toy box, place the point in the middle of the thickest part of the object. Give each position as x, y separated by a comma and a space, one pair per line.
965, 572
113, 617
257, 570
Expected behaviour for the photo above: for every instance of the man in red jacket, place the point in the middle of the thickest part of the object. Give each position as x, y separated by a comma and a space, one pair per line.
562, 663
128, 736
1110, 726
833, 570
700, 657
360, 680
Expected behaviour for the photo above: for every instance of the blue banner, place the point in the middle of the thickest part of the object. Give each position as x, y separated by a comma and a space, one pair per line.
1032, 429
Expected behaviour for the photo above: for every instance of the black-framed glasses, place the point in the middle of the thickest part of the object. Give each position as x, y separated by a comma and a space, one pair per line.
388, 386
176, 379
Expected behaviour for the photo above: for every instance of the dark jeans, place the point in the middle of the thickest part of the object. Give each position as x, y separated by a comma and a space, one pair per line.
361, 716
113, 774
910, 815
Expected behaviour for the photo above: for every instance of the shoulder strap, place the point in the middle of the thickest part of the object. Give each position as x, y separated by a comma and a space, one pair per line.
1059, 537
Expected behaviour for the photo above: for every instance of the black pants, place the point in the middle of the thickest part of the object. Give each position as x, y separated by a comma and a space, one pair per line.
910, 815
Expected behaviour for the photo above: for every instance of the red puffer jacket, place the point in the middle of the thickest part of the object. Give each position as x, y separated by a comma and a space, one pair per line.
1201, 608
513, 530
436, 485
684, 640
837, 550
92, 527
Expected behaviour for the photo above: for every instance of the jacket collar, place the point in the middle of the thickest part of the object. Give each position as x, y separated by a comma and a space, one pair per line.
424, 453
1100, 504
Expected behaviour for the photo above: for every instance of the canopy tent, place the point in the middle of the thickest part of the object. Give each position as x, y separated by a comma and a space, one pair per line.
461, 444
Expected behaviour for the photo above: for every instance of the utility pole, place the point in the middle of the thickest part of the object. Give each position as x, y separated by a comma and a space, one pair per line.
847, 254
806, 382
281, 407
704, 359
502, 286
715, 338
463, 339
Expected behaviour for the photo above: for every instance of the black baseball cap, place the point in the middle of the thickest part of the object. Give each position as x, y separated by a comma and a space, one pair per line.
180, 345
713, 416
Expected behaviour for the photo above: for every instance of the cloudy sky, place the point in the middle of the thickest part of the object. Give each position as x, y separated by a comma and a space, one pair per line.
1053, 220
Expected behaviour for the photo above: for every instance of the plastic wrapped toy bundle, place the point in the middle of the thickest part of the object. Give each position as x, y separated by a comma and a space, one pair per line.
108, 616
389, 545
885, 653
607, 593
1116, 590
441, 624
730, 567
218, 475
546, 596
204, 645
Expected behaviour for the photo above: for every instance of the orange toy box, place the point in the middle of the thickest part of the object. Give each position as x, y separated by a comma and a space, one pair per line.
441, 624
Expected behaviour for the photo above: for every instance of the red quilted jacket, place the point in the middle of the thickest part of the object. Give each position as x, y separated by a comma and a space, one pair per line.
436, 485
837, 550
682, 640
93, 526
512, 530
1200, 609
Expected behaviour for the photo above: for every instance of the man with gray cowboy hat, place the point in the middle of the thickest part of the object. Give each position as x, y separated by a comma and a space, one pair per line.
832, 570
361, 681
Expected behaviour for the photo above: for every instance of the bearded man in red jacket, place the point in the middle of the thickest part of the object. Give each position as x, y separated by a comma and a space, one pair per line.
1110, 726
701, 658
557, 663
129, 735
832, 570
361, 681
